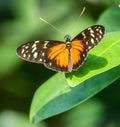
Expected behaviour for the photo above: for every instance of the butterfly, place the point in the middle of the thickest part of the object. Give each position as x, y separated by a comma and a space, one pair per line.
62, 56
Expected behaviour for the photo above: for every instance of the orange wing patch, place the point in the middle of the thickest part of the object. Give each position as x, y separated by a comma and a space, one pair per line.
78, 47
59, 53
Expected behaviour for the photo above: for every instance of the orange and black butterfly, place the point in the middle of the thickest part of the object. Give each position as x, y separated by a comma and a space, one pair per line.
62, 56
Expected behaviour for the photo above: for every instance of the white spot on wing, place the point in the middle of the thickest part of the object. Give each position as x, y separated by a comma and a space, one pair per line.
34, 45
89, 47
50, 63
40, 59
86, 42
45, 45
90, 29
43, 53
92, 40
83, 34
35, 55
29, 55
24, 55
26, 46
83, 55
97, 39
34, 49
23, 50
100, 31
97, 29
36, 42
27, 51
92, 35
100, 36
23, 46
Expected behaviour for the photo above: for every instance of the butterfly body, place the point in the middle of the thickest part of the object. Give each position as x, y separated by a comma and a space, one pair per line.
62, 56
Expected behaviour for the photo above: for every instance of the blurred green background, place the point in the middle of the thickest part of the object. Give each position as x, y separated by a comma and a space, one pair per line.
19, 23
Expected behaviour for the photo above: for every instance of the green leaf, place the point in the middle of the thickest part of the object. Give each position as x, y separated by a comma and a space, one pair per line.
111, 18
55, 96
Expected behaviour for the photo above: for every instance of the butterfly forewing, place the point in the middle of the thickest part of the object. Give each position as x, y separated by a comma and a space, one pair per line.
36, 51
91, 36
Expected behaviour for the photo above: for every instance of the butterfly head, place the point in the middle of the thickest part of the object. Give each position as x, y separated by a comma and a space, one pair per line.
67, 38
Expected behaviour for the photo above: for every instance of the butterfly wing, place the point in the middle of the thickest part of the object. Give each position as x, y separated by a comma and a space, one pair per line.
85, 41
36, 51
53, 54
58, 58
91, 36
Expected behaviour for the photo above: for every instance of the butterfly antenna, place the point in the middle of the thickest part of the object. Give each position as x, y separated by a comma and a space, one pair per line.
51, 25
83, 10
